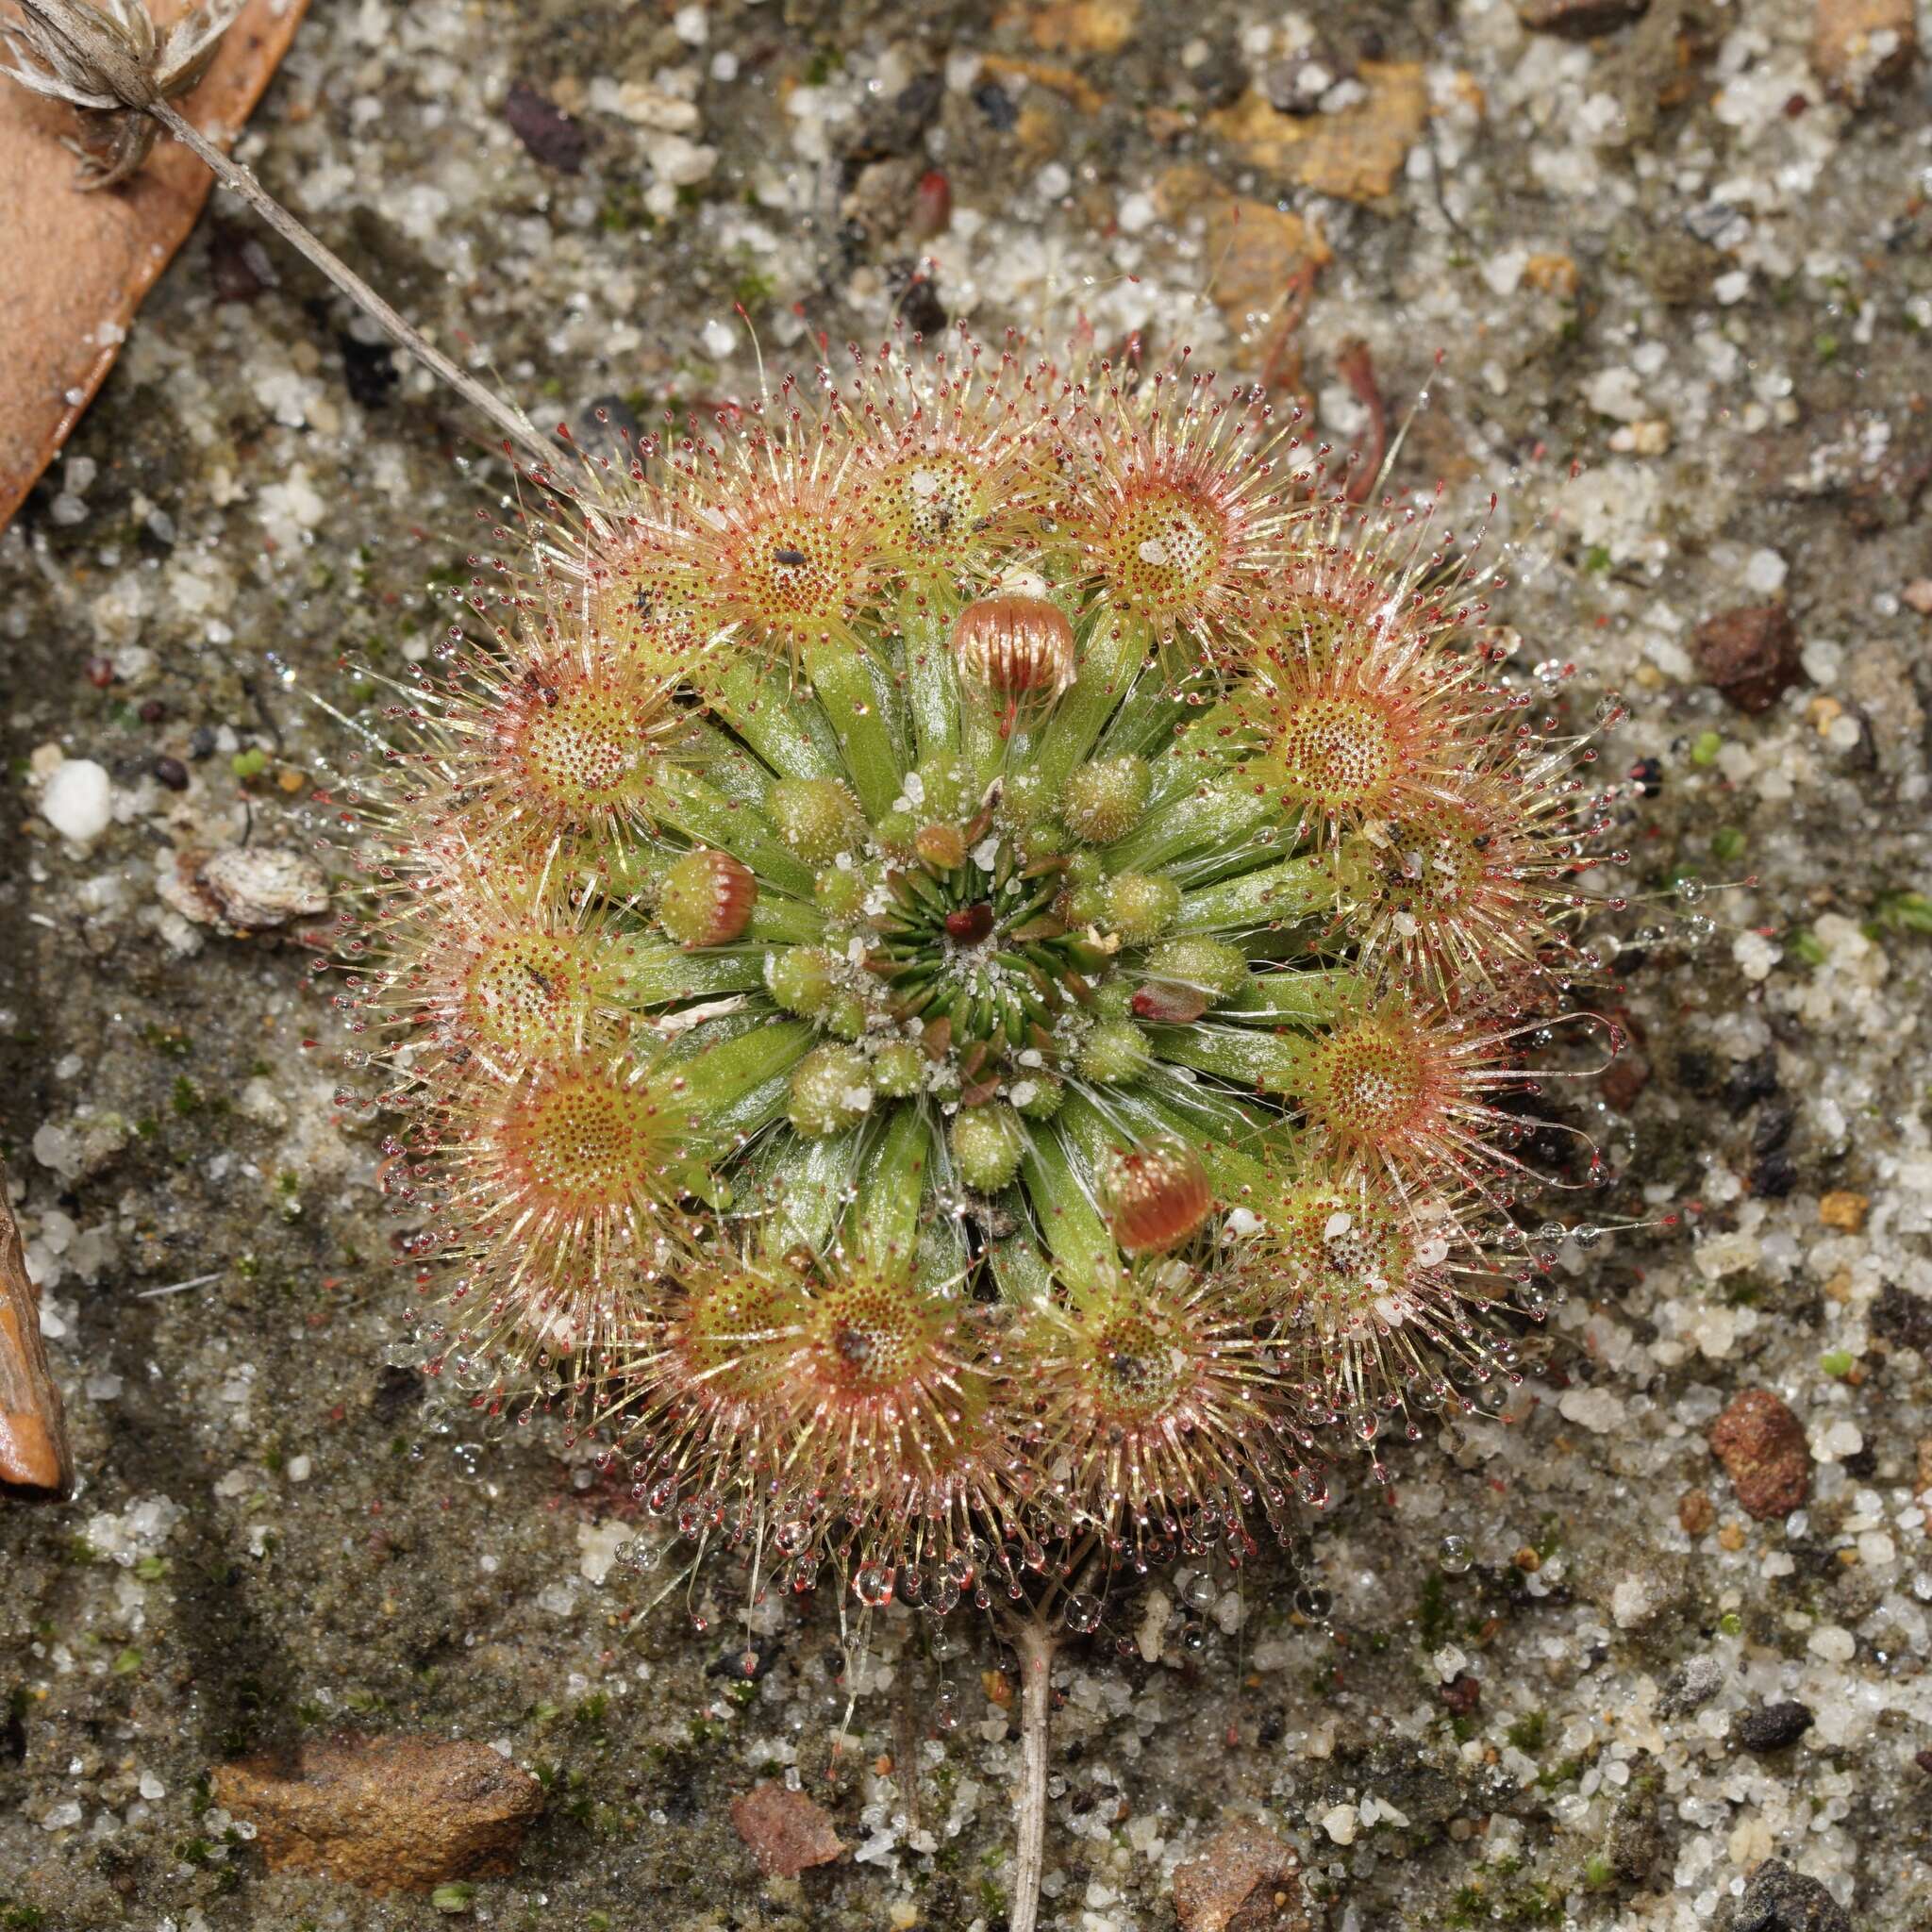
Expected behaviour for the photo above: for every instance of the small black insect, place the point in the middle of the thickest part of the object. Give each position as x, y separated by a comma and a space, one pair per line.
792, 557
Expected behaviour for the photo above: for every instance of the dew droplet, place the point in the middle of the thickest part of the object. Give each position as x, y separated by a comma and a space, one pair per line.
1083, 1611
1453, 1554
872, 1585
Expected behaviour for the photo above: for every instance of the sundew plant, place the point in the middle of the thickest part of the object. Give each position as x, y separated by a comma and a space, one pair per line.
956, 956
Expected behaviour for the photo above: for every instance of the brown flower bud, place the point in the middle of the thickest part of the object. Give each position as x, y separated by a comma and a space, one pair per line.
1019, 648
1155, 1197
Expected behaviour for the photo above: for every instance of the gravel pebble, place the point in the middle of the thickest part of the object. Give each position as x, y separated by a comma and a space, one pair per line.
1779, 1899
1750, 655
78, 801
1762, 1447
1771, 1726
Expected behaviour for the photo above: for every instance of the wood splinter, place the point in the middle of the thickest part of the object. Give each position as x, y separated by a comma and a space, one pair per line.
35, 1458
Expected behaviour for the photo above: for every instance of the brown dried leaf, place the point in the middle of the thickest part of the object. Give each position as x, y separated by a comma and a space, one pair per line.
389, 1814
1356, 155
34, 1456
1264, 262
78, 264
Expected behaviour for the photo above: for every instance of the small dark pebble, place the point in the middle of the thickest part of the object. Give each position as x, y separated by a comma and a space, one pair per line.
1274, 1727
545, 129
1774, 1176
1625, 1079
171, 772
897, 126
1463, 1694
396, 1390
201, 742
1696, 1073
1579, 20
1924, 1760
743, 1663
922, 307
238, 264
152, 711
1904, 1319
1771, 1726
996, 104
608, 428
368, 370
1780, 1900
1752, 1080
1773, 1128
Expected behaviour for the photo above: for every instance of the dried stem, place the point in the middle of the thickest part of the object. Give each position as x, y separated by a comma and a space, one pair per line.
232, 175
1036, 1644
1036, 1638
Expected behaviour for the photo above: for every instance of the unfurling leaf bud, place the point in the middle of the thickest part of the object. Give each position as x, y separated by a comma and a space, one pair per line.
1104, 801
940, 846
1115, 1052
817, 817
706, 899
1142, 905
831, 1091
1167, 1003
988, 1142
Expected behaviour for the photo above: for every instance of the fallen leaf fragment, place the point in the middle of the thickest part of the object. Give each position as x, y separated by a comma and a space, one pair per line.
787, 1831
1260, 259
76, 264
1077, 26
34, 1459
389, 1814
1356, 155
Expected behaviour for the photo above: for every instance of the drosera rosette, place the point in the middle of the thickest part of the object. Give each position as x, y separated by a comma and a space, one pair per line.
964, 956
864, 942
